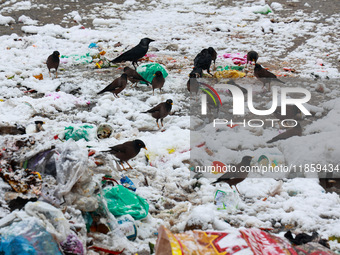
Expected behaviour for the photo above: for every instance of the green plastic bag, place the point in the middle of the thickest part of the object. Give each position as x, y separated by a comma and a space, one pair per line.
238, 68
262, 9
122, 201
147, 71
77, 133
79, 59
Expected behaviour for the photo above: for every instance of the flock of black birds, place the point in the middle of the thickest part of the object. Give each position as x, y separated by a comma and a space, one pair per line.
202, 61
128, 150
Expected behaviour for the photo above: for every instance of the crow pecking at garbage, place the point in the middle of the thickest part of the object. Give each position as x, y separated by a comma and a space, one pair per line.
203, 60
213, 54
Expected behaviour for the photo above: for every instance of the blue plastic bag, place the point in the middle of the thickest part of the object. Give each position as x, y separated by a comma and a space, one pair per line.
27, 237
16, 245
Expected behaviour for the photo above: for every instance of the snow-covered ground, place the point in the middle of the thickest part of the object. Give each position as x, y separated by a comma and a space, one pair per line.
181, 29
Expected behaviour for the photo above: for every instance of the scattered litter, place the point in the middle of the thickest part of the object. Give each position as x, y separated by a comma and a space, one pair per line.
76, 58
150, 55
104, 131
77, 133
221, 68
245, 241
22, 181
147, 71
289, 69
39, 76
52, 187
93, 45
103, 63
271, 160
237, 58
122, 201
229, 74
227, 200
52, 219
261, 9
108, 251
334, 238
127, 183
127, 226
27, 237
72, 245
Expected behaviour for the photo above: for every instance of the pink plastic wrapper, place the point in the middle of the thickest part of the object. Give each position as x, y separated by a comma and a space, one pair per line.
150, 55
237, 58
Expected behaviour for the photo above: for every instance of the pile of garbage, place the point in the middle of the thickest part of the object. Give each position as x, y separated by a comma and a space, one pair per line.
59, 198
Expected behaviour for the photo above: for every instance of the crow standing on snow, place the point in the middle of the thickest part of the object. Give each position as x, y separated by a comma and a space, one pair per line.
264, 75
135, 53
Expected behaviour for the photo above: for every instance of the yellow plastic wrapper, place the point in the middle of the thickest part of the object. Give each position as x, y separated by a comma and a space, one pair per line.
229, 74
157, 156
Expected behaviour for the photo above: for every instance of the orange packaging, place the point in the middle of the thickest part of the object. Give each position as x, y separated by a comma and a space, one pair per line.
39, 77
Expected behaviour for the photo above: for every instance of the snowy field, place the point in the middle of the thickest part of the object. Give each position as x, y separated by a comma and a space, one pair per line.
305, 40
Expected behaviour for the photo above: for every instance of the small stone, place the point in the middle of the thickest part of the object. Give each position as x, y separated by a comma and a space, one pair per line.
172, 47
